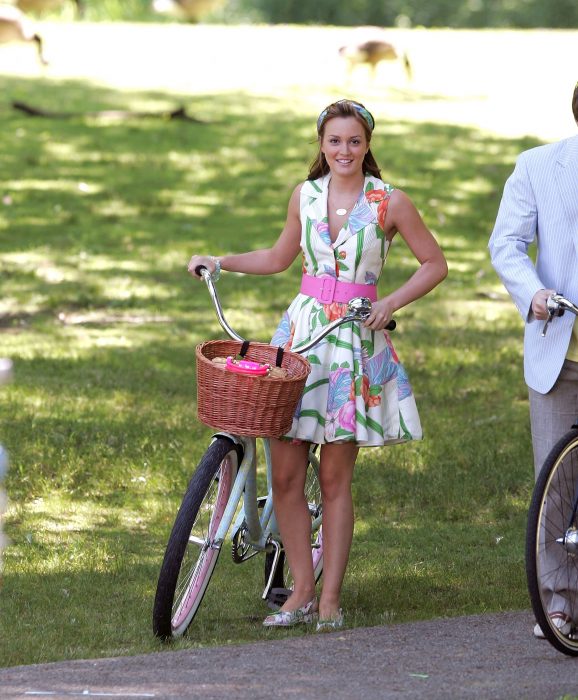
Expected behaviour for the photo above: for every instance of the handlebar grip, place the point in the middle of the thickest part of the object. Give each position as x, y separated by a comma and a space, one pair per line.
198, 269
391, 325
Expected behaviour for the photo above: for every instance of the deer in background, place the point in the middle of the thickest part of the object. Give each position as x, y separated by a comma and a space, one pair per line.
16, 27
186, 10
41, 6
372, 52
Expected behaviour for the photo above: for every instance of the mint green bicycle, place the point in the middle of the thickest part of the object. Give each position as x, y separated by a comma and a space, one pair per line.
221, 499
5, 377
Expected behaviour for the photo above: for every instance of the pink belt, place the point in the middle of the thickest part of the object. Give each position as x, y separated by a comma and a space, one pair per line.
327, 289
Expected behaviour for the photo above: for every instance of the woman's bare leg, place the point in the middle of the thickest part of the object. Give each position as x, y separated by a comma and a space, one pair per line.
336, 474
293, 518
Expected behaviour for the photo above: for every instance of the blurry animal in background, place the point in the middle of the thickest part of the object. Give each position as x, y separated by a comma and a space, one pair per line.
187, 10
371, 52
16, 27
40, 6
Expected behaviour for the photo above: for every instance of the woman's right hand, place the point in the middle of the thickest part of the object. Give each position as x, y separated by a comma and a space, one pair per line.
203, 261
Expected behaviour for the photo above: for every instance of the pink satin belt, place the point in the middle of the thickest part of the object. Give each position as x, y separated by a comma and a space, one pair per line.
327, 289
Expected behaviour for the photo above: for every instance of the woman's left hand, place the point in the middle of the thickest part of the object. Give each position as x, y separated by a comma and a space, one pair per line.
381, 314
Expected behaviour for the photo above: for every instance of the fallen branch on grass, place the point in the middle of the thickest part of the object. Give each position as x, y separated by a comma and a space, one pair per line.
179, 114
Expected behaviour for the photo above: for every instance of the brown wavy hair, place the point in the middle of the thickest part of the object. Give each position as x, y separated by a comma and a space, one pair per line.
342, 108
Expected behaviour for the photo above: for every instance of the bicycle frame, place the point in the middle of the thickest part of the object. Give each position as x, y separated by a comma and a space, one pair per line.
261, 532
245, 490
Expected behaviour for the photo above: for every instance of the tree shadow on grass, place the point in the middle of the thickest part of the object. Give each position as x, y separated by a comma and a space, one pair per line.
100, 204
98, 219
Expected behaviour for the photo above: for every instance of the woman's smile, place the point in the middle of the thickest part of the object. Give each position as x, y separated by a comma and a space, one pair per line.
344, 144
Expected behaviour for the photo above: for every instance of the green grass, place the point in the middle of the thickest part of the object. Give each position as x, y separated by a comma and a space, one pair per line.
103, 10
97, 222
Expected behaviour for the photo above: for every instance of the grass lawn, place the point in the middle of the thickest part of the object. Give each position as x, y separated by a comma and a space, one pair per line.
98, 218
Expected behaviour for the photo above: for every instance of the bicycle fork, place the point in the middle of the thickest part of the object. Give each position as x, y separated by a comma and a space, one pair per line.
570, 538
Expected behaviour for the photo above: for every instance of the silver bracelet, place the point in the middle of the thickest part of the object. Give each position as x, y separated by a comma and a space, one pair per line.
217, 272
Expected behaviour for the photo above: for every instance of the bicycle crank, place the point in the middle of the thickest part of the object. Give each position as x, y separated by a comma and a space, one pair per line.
241, 550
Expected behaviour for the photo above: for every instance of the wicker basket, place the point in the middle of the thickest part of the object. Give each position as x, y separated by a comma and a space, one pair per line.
248, 405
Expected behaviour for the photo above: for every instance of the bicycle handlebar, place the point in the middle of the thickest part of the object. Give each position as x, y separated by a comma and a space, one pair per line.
556, 305
358, 309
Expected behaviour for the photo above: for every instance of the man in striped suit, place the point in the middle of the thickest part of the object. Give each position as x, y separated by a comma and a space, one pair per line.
540, 204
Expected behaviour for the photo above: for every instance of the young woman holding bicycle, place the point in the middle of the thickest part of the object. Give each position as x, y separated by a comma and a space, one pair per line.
342, 220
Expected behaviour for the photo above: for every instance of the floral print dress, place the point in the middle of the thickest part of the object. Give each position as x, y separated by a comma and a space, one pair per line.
357, 391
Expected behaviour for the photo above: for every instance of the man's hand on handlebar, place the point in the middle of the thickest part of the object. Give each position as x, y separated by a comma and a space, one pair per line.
539, 303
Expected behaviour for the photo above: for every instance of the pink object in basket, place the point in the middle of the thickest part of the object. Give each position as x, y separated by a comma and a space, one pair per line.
256, 369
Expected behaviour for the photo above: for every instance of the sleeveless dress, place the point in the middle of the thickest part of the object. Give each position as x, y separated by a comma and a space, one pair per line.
357, 391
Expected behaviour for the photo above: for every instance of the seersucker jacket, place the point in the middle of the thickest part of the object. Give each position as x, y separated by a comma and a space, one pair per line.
540, 203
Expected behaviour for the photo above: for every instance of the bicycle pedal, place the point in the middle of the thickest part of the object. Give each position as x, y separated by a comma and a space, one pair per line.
277, 597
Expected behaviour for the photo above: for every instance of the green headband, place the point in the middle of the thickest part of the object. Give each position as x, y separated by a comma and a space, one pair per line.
360, 110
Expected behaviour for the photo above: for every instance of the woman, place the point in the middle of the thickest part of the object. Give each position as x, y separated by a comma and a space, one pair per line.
342, 219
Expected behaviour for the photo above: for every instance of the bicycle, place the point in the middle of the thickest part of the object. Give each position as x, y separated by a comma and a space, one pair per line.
223, 483
5, 377
552, 531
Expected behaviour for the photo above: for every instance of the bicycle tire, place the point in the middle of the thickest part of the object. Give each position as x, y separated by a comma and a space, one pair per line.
189, 559
550, 565
282, 576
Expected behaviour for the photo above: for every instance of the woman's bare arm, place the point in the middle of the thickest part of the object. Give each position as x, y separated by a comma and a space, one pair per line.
265, 261
403, 217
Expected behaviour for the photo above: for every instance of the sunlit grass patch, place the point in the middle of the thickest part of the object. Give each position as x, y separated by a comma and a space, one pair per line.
98, 219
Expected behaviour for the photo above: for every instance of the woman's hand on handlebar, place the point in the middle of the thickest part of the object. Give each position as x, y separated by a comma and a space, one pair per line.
381, 314
198, 261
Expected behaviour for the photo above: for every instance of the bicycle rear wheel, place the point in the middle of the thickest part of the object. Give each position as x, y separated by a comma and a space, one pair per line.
552, 546
282, 579
191, 554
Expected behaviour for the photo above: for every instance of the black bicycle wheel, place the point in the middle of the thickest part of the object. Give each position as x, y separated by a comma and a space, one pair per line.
282, 580
552, 546
191, 554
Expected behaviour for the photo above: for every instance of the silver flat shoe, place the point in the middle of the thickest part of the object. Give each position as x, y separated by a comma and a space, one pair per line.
560, 620
331, 624
288, 618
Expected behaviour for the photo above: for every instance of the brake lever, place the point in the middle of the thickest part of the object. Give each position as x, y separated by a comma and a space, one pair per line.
554, 309
360, 310
548, 320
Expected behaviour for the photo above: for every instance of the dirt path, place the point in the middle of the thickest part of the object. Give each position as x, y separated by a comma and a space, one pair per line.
482, 656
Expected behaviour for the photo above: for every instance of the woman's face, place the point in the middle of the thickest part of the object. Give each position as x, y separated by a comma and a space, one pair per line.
344, 145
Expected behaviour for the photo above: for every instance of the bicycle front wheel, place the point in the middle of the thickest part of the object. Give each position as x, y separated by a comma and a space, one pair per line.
552, 546
191, 553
